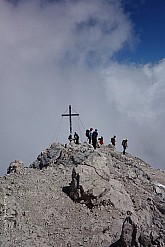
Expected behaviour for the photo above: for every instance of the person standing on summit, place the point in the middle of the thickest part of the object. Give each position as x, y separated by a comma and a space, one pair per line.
87, 134
125, 145
90, 135
113, 140
70, 138
94, 138
76, 138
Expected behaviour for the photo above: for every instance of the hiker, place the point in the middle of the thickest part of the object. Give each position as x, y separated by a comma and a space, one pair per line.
90, 135
94, 138
76, 138
101, 140
87, 134
113, 141
125, 145
70, 138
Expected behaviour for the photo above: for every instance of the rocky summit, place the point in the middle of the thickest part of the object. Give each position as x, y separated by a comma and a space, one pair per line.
73, 195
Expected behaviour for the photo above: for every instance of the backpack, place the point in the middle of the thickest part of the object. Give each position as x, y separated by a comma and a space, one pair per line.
124, 143
87, 133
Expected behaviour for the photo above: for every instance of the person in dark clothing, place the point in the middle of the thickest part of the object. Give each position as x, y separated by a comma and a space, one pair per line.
76, 138
113, 141
125, 145
87, 133
70, 138
94, 138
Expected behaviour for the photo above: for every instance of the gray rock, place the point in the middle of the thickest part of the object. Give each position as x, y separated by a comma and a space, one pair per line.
78, 196
128, 235
16, 166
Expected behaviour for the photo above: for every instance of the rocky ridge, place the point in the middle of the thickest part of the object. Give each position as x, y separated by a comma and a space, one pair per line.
73, 195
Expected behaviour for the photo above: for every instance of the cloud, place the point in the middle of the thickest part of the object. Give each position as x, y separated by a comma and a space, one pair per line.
137, 92
135, 84
56, 53
74, 30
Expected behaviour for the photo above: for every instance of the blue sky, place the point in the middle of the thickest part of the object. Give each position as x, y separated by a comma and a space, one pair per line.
104, 58
148, 18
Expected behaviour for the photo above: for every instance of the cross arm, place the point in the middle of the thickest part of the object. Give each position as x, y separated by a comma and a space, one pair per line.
68, 115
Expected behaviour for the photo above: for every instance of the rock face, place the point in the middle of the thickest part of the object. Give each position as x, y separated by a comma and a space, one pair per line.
16, 166
77, 196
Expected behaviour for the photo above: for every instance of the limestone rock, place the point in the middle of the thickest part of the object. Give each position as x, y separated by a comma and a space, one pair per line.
73, 195
16, 166
128, 234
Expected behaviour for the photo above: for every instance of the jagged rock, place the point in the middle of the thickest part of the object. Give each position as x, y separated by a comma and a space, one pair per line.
16, 166
128, 235
145, 239
110, 199
95, 177
160, 190
160, 204
76, 192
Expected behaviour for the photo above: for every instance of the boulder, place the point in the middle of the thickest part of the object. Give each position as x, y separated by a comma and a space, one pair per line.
16, 166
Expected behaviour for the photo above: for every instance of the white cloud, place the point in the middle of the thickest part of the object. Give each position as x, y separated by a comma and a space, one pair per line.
138, 93
139, 85
44, 66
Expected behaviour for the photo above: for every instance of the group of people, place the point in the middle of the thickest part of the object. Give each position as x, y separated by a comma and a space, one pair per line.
92, 136
75, 138
124, 143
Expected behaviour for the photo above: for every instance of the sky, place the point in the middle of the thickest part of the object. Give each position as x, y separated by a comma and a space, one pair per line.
106, 58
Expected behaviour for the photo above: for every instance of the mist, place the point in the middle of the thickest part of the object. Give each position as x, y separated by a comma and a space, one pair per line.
60, 53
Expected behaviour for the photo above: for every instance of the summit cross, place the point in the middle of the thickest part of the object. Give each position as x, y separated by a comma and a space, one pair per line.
70, 115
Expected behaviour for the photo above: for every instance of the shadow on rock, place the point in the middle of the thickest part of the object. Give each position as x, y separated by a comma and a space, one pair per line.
76, 192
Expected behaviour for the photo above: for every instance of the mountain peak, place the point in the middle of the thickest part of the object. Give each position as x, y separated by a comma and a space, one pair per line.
73, 195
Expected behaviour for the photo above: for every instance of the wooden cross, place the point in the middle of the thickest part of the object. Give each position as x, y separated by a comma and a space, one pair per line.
70, 115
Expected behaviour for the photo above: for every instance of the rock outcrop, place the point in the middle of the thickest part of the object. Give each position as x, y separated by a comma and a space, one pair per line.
16, 166
73, 195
